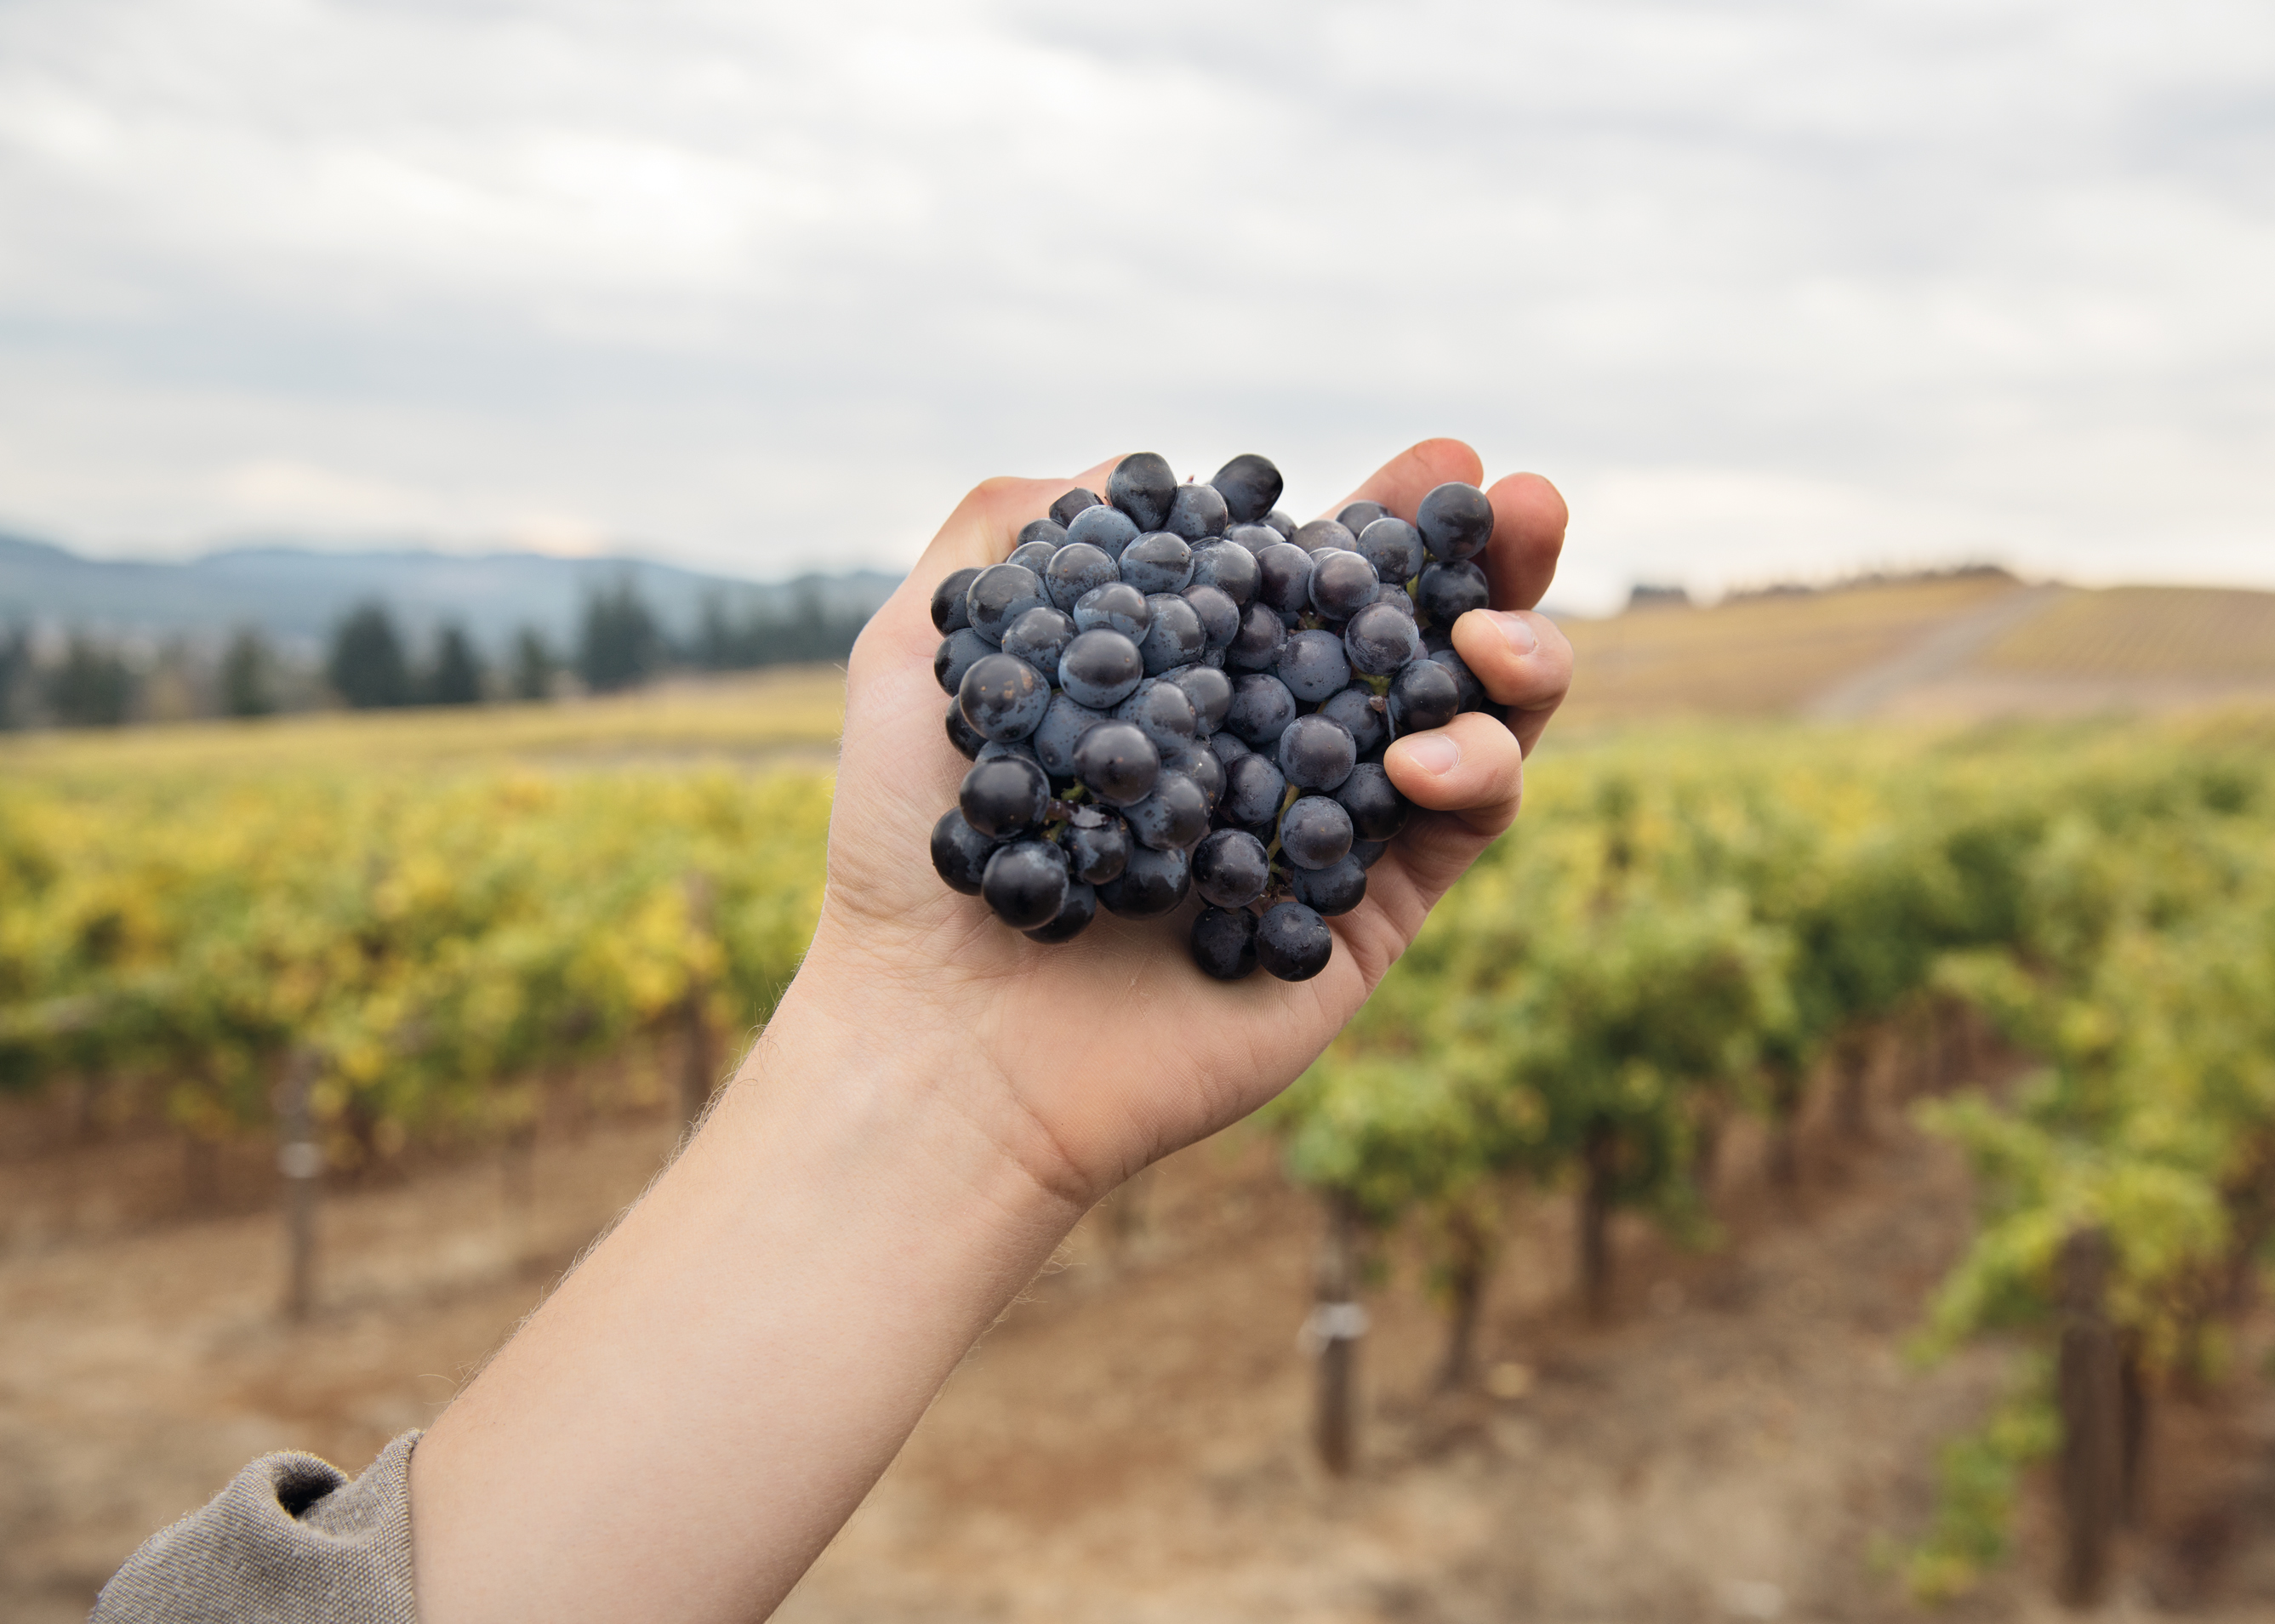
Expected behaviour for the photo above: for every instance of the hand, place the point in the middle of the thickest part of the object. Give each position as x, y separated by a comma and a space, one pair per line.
1107, 1052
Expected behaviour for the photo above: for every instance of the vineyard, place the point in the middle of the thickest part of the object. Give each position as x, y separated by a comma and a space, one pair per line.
360, 951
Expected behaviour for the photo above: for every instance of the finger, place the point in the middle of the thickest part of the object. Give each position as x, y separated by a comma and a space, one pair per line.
1525, 661
1528, 535
1400, 483
1472, 772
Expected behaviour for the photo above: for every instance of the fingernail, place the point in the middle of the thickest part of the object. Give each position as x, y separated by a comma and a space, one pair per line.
1434, 753
1517, 630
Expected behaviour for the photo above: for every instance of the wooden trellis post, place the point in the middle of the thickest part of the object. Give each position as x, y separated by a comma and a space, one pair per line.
2090, 1392
1332, 1335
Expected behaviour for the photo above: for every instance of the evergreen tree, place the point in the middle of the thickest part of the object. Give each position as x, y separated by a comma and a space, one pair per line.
15, 670
534, 665
621, 646
247, 689
367, 667
456, 677
93, 687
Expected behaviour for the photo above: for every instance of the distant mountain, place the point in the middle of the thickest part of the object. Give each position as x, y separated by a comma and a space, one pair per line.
298, 594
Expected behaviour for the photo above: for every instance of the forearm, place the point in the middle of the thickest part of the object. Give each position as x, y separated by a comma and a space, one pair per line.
688, 1420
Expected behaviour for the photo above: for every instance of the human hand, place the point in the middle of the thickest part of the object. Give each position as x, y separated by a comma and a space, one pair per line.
1106, 1053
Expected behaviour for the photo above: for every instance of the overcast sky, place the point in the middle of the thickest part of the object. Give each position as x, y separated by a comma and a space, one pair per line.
1772, 289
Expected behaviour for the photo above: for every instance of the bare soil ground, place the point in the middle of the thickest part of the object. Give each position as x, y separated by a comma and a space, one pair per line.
1741, 1439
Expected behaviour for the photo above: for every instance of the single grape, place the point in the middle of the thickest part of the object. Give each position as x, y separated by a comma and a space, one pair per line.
1314, 832
1176, 813
1322, 535
1100, 668
1254, 789
1261, 709
1262, 635
1230, 868
949, 612
1075, 570
1175, 638
1250, 484
958, 650
1253, 539
1342, 584
1470, 693
1115, 606
1281, 522
1073, 501
1154, 882
1197, 512
1284, 577
1228, 748
1224, 943
1162, 712
1000, 595
1456, 521
1197, 762
1219, 615
1158, 562
1003, 698
1394, 548
1359, 713
1293, 942
1448, 591
1210, 690
1097, 845
1316, 754
1026, 883
1142, 484
960, 852
1380, 639
1337, 889
1229, 568
1367, 853
1040, 637
1356, 516
1313, 665
1003, 796
1378, 811
1109, 530
1064, 722
1047, 530
1397, 598
1423, 696
966, 738
1034, 556
1075, 913
1116, 763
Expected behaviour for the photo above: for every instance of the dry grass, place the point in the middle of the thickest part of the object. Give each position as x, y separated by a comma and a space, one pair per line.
2170, 631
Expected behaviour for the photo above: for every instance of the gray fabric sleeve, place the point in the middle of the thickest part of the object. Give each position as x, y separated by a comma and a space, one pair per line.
290, 1541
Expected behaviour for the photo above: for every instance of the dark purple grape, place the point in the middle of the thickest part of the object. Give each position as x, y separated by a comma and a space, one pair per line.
1456, 521
1397, 598
1337, 889
1075, 570
966, 738
1316, 754
1175, 638
1003, 796
1356, 516
1074, 915
1197, 762
1162, 712
949, 612
1116, 763
1022, 748
1314, 666
1230, 868
1253, 539
1227, 748
1254, 789
1064, 723
1262, 635
1158, 562
1210, 690
1284, 577
1073, 501
1423, 695
1003, 698
1314, 832
1100, 668
1047, 530
998, 595
1229, 568
1342, 584
1281, 522
1380, 639
1040, 637
1324, 535
1197, 512
1154, 882
1378, 811
1026, 883
957, 652
1097, 845
1109, 530
960, 852
1142, 484
1219, 615
1367, 853
1394, 548
1470, 693
1293, 942
1224, 943
1260, 711
1176, 814
1359, 713
1115, 606
1448, 591
1034, 556
1250, 484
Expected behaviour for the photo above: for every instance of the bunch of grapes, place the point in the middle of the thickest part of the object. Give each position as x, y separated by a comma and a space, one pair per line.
1179, 690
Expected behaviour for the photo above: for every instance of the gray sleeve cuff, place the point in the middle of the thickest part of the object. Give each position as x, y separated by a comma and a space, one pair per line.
290, 1541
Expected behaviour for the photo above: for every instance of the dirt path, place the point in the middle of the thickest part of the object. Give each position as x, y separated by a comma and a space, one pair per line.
1128, 1445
